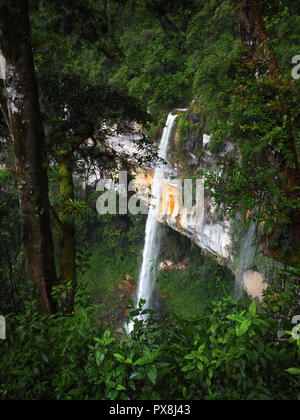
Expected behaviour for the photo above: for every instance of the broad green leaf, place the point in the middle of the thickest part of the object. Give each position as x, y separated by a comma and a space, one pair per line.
187, 368
154, 354
243, 328
119, 357
141, 361
136, 375
200, 366
152, 373
190, 356
293, 371
252, 308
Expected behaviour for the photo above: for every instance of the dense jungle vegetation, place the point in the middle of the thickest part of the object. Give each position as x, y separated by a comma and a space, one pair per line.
80, 71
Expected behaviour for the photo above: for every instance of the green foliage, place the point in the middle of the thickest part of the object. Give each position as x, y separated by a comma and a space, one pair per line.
60, 294
258, 126
183, 128
48, 354
281, 299
74, 53
105, 62
228, 355
253, 110
198, 284
115, 249
153, 44
193, 277
75, 206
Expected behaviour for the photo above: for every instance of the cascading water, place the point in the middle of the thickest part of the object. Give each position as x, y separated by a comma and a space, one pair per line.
147, 278
246, 257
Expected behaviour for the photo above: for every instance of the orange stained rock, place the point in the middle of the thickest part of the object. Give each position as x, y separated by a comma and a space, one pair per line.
172, 204
248, 214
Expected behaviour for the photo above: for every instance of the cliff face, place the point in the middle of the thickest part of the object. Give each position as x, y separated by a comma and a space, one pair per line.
232, 244
189, 157
202, 228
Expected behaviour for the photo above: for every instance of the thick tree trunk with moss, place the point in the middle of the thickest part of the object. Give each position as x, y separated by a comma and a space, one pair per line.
253, 33
68, 252
24, 119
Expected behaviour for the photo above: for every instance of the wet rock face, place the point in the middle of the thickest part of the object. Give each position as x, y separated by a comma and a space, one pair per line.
190, 154
213, 233
207, 229
254, 284
199, 227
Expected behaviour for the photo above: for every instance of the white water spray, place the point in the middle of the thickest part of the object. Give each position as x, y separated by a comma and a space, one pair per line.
247, 256
147, 278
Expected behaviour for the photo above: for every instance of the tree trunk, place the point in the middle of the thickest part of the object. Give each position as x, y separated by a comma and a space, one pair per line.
24, 118
68, 256
253, 33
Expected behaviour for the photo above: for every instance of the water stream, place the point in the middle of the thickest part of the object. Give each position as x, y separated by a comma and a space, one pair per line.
247, 256
147, 277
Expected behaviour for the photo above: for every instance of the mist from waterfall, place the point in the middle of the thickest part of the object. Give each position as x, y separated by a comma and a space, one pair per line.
247, 256
147, 277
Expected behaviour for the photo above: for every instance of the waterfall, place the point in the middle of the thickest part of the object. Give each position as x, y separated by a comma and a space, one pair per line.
248, 248
147, 277
247, 256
